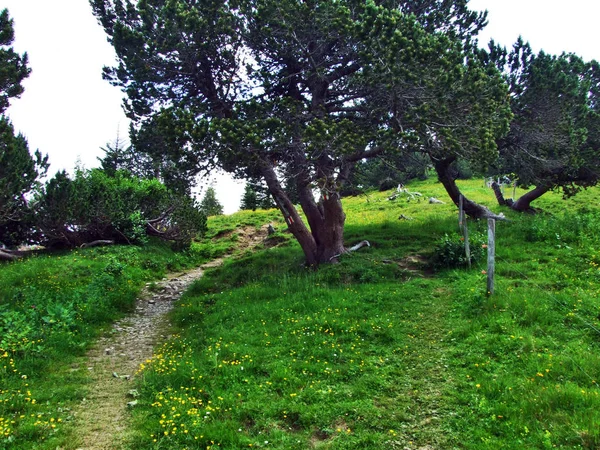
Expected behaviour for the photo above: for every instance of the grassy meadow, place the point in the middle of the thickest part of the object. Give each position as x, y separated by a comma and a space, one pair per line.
380, 351
392, 348
52, 307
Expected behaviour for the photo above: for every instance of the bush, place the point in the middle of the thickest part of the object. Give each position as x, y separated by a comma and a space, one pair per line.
450, 250
123, 208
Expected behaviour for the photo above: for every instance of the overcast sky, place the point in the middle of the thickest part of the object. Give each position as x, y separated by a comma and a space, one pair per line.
69, 112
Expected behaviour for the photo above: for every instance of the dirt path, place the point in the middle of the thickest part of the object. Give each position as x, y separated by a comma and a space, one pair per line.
102, 418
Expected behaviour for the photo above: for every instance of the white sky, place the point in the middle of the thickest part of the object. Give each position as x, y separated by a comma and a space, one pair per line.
69, 112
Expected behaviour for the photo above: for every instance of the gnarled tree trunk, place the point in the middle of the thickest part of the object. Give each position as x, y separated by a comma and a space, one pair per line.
324, 241
523, 204
500, 196
472, 209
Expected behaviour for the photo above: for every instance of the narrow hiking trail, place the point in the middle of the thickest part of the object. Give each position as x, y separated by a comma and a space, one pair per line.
102, 419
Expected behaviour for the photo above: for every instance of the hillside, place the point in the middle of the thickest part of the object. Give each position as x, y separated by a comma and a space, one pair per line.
392, 348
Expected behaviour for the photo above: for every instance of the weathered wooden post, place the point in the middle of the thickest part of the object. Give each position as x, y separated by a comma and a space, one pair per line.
467, 245
461, 213
491, 265
462, 226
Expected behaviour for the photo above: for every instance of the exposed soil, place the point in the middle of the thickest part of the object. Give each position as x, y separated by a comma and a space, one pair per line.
102, 418
414, 266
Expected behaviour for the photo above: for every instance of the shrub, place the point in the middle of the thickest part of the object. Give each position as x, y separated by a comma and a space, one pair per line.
450, 250
125, 209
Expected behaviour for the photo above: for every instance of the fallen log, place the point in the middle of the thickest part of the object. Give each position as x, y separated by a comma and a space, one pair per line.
354, 248
97, 243
6, 256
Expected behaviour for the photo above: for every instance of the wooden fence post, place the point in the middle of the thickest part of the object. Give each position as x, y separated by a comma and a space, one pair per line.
491, 265
461, 213
467, 245
462, 226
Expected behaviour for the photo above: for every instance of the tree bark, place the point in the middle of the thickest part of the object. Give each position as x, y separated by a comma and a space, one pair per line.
499, 196
523, 204
291, 216
472, 209
331, 236
6, 256
324, 241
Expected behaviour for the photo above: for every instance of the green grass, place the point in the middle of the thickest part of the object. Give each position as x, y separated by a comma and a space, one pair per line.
292, 363
378, 351
52, 306
367, 354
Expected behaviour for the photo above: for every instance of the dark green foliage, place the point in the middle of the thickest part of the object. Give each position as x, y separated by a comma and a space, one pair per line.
95, 206
209, 204
19, 170
457, 112
256, 195
19, 174
118, 156
166, 147
553, 139
249, 199
323, 89
13, 67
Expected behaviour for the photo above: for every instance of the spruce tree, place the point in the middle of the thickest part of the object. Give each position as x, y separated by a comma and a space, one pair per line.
210, 205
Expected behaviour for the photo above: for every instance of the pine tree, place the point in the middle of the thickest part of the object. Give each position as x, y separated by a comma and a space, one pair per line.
250, 198
329, 84
19, 170
210, 205
13, 67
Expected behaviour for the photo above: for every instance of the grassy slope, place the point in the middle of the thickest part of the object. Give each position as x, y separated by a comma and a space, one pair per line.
367, 354
363, 354
51, 308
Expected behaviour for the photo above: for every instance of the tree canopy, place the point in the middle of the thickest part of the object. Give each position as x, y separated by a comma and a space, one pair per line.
19, 170
119, 207
209, 203
13, 67
553, 138
298, 92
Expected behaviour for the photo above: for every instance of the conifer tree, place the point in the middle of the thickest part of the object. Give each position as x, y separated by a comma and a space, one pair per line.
19, 170
209, 204
285, 90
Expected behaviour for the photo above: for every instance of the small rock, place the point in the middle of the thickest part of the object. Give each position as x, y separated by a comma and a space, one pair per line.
108, 351
151, 302
115, 375
132, 403
133, 393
